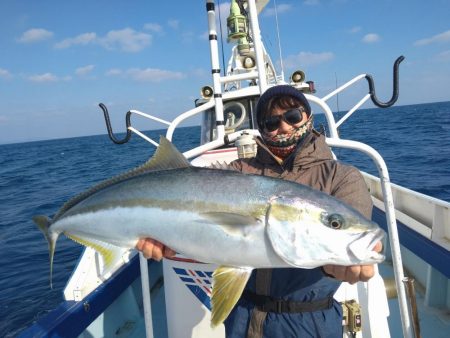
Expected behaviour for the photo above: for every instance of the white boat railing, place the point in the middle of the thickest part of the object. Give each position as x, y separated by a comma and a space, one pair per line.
426, 215
391, 223
342, 88
145, 284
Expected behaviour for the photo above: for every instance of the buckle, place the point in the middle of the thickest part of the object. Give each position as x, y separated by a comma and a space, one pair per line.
330, 302
279, 305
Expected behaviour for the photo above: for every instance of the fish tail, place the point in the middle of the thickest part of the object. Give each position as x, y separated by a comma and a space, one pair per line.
43, 223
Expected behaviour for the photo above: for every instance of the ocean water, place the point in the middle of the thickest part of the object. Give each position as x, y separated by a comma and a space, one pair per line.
38, 177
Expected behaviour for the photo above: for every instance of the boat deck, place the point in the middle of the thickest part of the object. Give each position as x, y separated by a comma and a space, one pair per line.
433, 323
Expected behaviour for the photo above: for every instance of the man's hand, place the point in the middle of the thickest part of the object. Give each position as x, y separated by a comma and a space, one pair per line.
354, 273
153, 249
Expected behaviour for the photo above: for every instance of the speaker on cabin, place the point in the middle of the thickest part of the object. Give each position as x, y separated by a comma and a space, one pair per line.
234, 113
206, 92
298, 76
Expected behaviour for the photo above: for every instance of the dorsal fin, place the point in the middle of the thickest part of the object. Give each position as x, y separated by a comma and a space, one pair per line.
166, 156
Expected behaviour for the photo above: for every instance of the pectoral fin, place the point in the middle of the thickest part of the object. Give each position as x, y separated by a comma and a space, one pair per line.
228, 284
232, 223
230, 219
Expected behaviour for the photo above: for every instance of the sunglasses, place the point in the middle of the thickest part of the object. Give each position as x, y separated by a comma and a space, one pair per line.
291, 117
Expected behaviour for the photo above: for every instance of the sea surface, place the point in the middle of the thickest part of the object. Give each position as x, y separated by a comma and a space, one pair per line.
38, 177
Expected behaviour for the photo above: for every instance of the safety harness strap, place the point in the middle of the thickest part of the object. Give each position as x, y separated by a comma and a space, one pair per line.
257, 317
268, 304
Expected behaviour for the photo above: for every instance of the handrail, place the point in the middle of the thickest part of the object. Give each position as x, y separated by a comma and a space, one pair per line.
186, 115
328, 114
129, 127
391, 223
145, 285
371, 94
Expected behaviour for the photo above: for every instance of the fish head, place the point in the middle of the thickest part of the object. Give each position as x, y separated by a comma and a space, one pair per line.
360, 234
313, 232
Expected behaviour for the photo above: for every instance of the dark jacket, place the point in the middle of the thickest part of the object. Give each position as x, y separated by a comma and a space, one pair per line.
311, 165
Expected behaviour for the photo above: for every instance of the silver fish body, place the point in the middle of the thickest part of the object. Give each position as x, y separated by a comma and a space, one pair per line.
210, 215
224, 217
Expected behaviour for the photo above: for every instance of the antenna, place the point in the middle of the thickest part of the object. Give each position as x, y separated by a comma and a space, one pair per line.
337, 95
279, 40
221, 43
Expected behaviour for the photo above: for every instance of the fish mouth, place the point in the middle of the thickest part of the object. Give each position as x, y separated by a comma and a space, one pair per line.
362, 247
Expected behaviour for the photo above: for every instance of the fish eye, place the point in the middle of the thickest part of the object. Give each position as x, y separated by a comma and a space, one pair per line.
336, 221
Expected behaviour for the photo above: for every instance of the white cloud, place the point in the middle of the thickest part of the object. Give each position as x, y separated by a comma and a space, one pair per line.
204, 36
311, 2
173, 23
82, 39
35, 35
146, 75
371, 38
153, 74
187, 36
5, 74
42, 78
114, 72
438, 38
281, 8
307, 59
199, 73
127, 40
443, 56
154, 27
354, 30
84, 70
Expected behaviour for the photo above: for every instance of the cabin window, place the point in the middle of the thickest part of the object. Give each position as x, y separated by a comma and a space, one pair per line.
238, 115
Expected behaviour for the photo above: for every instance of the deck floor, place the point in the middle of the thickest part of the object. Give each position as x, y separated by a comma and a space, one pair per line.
433, 323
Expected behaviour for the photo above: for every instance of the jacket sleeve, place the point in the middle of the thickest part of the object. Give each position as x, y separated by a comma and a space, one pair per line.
352, 189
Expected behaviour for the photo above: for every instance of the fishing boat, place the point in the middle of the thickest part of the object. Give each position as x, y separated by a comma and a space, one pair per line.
410, 293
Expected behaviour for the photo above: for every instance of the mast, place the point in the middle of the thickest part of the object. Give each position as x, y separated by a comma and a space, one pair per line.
257, 44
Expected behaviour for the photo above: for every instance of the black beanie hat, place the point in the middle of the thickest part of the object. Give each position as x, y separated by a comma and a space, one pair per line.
280, 90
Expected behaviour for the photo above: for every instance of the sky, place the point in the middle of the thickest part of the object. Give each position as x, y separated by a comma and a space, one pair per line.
60, 59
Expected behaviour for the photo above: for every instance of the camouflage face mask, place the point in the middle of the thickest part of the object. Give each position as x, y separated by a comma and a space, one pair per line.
282, 145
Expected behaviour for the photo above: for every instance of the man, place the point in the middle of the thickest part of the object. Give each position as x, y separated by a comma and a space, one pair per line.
291, 149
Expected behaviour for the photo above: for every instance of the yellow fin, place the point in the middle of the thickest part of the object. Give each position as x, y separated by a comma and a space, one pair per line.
108, 251
228, 284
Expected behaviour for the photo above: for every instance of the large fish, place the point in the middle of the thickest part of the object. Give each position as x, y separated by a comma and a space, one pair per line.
237, 221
